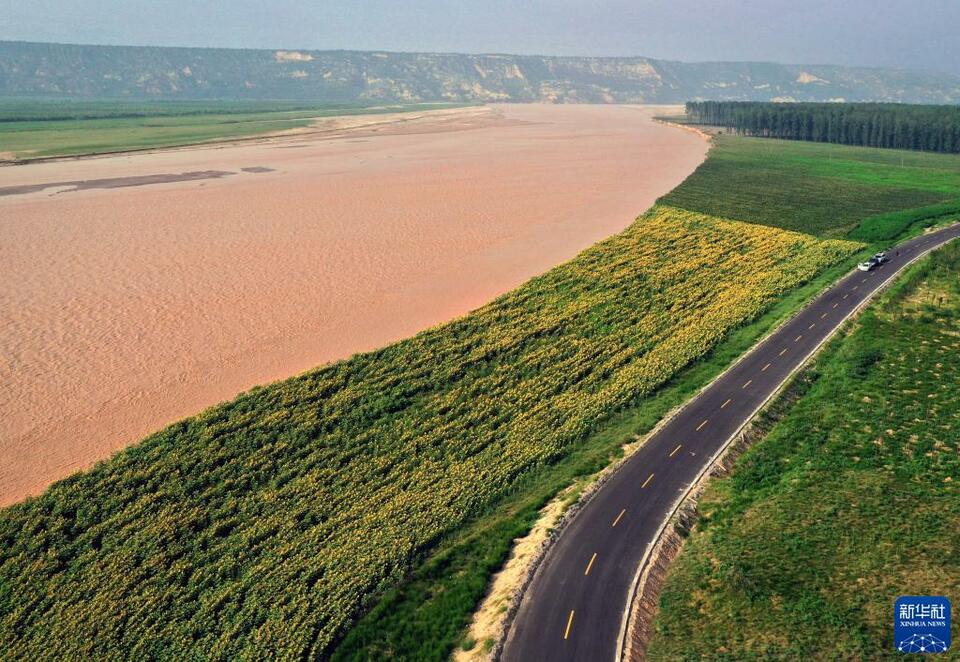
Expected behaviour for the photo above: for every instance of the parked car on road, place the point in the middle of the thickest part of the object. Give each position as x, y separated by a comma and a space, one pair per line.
875, 261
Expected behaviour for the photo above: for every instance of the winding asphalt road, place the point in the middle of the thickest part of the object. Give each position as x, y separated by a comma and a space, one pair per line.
574, 607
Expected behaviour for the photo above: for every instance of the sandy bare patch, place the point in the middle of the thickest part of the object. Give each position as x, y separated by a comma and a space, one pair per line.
292, 56
428, 121
121, 182
491, 617
128, 308
488, 626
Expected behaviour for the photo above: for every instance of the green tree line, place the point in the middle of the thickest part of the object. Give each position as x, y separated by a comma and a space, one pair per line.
892, 125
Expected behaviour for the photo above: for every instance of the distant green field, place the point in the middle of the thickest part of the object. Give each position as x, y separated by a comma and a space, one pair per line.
25, 110
892, 224
36, 129
850, 500
818, 188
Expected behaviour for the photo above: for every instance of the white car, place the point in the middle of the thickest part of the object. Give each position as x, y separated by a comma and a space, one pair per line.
875, 261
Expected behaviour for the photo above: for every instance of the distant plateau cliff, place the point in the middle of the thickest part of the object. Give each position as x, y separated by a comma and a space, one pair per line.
60, 70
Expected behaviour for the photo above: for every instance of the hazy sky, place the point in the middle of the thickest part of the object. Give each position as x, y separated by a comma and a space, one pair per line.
917, 34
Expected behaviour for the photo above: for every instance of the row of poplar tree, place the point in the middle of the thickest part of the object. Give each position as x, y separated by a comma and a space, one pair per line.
901, 126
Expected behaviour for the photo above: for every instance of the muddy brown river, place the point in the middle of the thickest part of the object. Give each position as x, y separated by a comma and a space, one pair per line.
139, 289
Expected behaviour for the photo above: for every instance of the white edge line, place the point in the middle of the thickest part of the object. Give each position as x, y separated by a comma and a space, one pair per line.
625, 620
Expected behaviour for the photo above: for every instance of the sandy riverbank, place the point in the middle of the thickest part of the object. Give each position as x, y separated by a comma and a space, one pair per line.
138, 289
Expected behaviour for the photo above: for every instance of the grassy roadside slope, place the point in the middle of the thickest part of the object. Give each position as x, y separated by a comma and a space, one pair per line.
822, 189
849, 501
31, 130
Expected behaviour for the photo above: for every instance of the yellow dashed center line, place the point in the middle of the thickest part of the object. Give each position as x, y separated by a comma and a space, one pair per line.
618, 518
835, 305
566, 633
590, 565
845, 296
782, 352
823, 316
811, 326
764, 368
797, 339
700, 427
725, 403
749, 381
647, 481
674, 451
855, 286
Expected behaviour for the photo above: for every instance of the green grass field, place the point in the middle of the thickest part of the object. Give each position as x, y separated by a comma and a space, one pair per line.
849, 501
51, 110
822, 189
883, 227
31, 129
